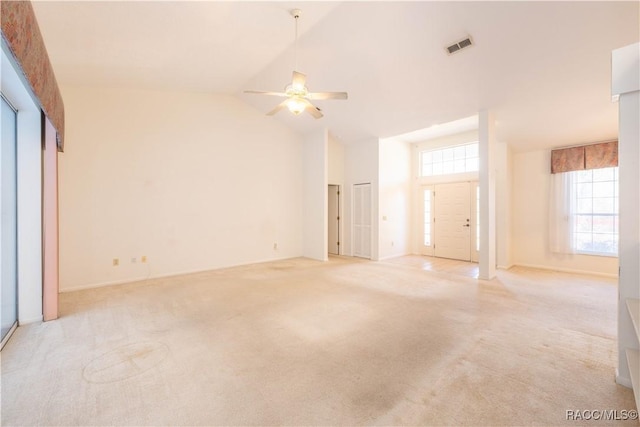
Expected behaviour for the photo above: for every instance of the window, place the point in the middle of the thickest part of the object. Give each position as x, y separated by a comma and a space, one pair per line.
450, 160
594, 194
584, 212
427, 217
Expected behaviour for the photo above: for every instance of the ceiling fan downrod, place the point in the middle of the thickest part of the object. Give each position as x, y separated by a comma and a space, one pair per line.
296, 14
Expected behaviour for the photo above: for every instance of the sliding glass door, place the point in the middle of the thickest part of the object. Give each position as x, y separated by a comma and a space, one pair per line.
9, 224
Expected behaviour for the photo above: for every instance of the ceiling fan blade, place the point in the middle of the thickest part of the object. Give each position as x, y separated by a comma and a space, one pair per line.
298, 79
279, 107
313, 110
327, 95
260, 92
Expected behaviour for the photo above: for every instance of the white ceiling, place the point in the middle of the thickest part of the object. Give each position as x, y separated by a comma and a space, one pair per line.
543, 67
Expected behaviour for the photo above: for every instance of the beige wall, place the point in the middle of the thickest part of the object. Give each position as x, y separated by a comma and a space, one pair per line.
336, 161
530, 220
395, 199
315, 197
191, 181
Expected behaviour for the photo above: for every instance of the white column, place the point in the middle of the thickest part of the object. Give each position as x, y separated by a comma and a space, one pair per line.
486, 136
503, 205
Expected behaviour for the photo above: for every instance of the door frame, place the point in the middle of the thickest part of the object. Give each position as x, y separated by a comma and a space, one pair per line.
353, 217
29, 176
429, 250
339, 219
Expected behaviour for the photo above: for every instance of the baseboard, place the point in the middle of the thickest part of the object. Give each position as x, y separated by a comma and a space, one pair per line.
30, 320
163, 276
111, 283
504, 267
623, 381
567, 270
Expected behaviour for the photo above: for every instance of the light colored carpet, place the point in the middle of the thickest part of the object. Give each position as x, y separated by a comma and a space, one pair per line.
300, 342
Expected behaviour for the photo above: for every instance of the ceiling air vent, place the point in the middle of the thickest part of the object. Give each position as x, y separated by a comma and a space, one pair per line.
464, 43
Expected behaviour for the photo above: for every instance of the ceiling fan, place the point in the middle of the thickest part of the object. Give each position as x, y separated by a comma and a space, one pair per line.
298, 96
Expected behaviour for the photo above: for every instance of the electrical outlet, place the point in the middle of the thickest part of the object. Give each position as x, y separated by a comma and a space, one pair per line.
275, 246
116, 262
143, 258
133, 260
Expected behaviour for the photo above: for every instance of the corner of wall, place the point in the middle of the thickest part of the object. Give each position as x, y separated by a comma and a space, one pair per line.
315, 203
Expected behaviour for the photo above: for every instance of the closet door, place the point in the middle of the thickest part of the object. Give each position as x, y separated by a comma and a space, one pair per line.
362, 220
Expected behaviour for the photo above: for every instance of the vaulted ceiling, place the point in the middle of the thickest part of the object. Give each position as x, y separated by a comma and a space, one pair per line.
543, 67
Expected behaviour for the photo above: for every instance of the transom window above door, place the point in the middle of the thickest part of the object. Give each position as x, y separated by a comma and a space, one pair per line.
450, 160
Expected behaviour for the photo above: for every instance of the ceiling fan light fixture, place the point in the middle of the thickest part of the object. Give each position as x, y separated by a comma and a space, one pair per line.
296, 89
296, 105
297, 94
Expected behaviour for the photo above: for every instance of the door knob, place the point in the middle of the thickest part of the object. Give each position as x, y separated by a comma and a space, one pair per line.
466, 225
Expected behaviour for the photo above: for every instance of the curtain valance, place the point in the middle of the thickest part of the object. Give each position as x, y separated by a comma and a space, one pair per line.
594, 156
21, 32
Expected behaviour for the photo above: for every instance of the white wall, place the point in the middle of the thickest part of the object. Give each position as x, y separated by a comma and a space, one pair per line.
315, 199
361, 166
445, 141
336, 161
530, 220
629, 242
394, 199
192, 181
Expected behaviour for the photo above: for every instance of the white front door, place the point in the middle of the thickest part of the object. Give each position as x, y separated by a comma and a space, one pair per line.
334, 220
362, 220
452, 214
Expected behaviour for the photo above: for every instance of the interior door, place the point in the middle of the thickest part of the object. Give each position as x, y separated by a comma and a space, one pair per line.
362, 220
334, 220
452, 221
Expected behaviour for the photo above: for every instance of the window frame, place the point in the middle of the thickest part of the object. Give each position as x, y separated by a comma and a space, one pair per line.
441, 151
616, 214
